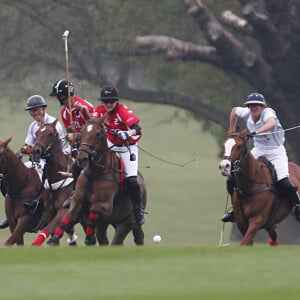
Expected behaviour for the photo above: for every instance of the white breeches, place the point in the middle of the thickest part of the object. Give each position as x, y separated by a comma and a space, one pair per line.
277, 157
131, 167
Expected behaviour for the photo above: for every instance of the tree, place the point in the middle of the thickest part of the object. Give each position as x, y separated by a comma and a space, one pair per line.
262, 48
253, 46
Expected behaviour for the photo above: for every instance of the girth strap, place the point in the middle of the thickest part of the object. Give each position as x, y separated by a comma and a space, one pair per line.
242, 195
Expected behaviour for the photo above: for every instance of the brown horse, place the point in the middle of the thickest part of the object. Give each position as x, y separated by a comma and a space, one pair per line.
255, 201
22, 185
100, 187
58, 188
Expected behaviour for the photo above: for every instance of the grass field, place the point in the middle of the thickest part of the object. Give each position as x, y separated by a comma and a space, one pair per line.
160, 272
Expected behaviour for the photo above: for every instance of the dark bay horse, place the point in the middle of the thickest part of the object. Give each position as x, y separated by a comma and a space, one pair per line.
57, 188
100, 187
23, 185
255, 201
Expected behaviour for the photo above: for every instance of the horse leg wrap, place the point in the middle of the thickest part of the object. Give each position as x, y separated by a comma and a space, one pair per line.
273, 243
64, 225
43, 235
91, 224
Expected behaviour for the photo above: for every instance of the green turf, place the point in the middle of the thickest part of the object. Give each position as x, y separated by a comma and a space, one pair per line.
160, 272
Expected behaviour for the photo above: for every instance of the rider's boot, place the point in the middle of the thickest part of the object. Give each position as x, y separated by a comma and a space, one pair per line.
289, 191
229, 216
4, 223
135, 194
33, 206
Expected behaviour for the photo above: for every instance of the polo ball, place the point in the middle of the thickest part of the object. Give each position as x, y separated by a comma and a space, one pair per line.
157, 239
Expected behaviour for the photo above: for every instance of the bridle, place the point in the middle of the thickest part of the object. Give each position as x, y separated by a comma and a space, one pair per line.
243, 153
95, 156
7, 172
53, 146
236, 166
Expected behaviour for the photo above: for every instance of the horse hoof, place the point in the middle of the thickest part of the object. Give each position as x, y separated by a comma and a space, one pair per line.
73, 241
273, 243
53, 241
90, 241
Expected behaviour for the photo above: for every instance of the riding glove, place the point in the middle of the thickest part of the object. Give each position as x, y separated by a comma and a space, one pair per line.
251, 135
124, 135
26, 149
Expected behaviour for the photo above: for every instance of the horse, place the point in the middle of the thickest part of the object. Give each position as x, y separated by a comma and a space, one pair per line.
100, 186
23, 186
256, 201
58, 188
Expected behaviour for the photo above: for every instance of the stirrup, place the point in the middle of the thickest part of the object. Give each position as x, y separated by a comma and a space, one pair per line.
53, 241
90, 240
139, 216
67, 203
31, 206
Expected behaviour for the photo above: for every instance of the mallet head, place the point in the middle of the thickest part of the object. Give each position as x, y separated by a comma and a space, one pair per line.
66, 34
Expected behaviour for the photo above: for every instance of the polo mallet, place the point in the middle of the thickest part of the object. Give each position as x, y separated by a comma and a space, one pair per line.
65, 38
223, 225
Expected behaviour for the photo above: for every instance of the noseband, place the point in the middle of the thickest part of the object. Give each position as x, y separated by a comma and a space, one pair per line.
95, 156
236, 164
47, 150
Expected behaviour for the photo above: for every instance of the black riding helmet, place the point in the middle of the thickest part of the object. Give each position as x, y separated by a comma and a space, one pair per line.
60, 88
35, 101
109, 92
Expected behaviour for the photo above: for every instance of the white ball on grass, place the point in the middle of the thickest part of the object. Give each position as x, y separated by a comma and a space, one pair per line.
157, 238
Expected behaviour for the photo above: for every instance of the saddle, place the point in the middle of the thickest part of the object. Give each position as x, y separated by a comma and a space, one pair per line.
263, 160
118, 166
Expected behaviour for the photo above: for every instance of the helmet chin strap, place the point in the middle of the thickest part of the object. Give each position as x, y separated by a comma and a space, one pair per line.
61, 101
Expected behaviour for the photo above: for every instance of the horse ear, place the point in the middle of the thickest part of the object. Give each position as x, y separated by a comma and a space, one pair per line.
244, 132
54, 122
7, 141
101, 119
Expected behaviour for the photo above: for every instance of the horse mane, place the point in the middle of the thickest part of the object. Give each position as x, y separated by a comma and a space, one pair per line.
242, 134
97, 120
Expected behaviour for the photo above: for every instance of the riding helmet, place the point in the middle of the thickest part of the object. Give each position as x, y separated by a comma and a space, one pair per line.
109, 92
255, 98
54, 92
60, 88
35, 101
